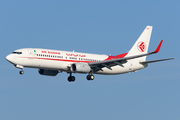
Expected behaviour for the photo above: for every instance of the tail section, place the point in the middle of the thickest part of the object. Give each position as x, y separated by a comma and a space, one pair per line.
142, 44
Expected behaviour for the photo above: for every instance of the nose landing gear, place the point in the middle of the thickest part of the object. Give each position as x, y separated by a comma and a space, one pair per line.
20, 67
21, 72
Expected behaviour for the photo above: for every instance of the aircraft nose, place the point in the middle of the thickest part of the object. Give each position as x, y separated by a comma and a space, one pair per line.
9, 58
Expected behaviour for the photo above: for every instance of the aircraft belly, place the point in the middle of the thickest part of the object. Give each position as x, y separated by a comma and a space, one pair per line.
120, 70
57, 65
115, 70
47, 64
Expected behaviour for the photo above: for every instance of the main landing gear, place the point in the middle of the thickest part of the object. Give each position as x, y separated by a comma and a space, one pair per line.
71, 78
88, 77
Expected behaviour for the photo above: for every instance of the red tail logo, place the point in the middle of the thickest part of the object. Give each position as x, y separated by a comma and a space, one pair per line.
141, 46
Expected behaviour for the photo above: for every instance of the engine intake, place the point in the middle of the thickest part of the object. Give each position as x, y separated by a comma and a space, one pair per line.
80, 68
48, 72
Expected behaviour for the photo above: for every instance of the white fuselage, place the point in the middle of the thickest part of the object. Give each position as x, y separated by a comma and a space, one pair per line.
51, 62
62, 60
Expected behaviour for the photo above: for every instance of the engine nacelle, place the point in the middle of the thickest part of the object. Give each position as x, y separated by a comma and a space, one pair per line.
80, 68
48, 72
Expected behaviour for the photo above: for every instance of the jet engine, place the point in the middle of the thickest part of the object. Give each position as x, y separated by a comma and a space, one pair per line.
80, 68
48, 72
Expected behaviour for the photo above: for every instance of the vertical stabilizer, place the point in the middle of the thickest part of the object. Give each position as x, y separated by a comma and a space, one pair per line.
142, 44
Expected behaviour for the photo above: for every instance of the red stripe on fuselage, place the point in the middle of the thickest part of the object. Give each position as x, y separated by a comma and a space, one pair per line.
117, 56
58, 59
109, 58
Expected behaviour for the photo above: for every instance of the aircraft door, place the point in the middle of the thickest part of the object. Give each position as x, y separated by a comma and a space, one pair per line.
30, 54
30, 57
131, 68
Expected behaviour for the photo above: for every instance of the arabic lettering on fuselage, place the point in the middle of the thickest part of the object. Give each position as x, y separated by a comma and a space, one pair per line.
75, 55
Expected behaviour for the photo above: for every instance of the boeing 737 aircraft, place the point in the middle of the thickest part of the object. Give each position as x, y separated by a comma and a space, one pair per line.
51, 62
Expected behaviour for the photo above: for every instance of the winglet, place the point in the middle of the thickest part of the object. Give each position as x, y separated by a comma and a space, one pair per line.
158, 48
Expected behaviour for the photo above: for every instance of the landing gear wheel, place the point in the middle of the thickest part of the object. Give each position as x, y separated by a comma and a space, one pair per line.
90, 77
71, 78
21, 72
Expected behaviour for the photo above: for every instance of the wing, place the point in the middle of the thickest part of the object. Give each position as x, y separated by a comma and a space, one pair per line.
96, 66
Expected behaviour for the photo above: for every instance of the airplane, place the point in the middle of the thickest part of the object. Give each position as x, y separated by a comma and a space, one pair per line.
51, 62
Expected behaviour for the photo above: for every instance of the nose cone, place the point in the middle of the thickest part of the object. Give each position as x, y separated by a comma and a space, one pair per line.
9, 58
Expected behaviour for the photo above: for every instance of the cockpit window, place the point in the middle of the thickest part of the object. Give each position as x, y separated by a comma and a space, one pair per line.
17, 52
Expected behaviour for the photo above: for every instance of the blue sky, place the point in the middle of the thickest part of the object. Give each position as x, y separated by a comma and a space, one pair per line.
96, 26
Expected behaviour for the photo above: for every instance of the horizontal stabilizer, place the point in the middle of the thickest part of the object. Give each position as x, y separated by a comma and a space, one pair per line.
156, 61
